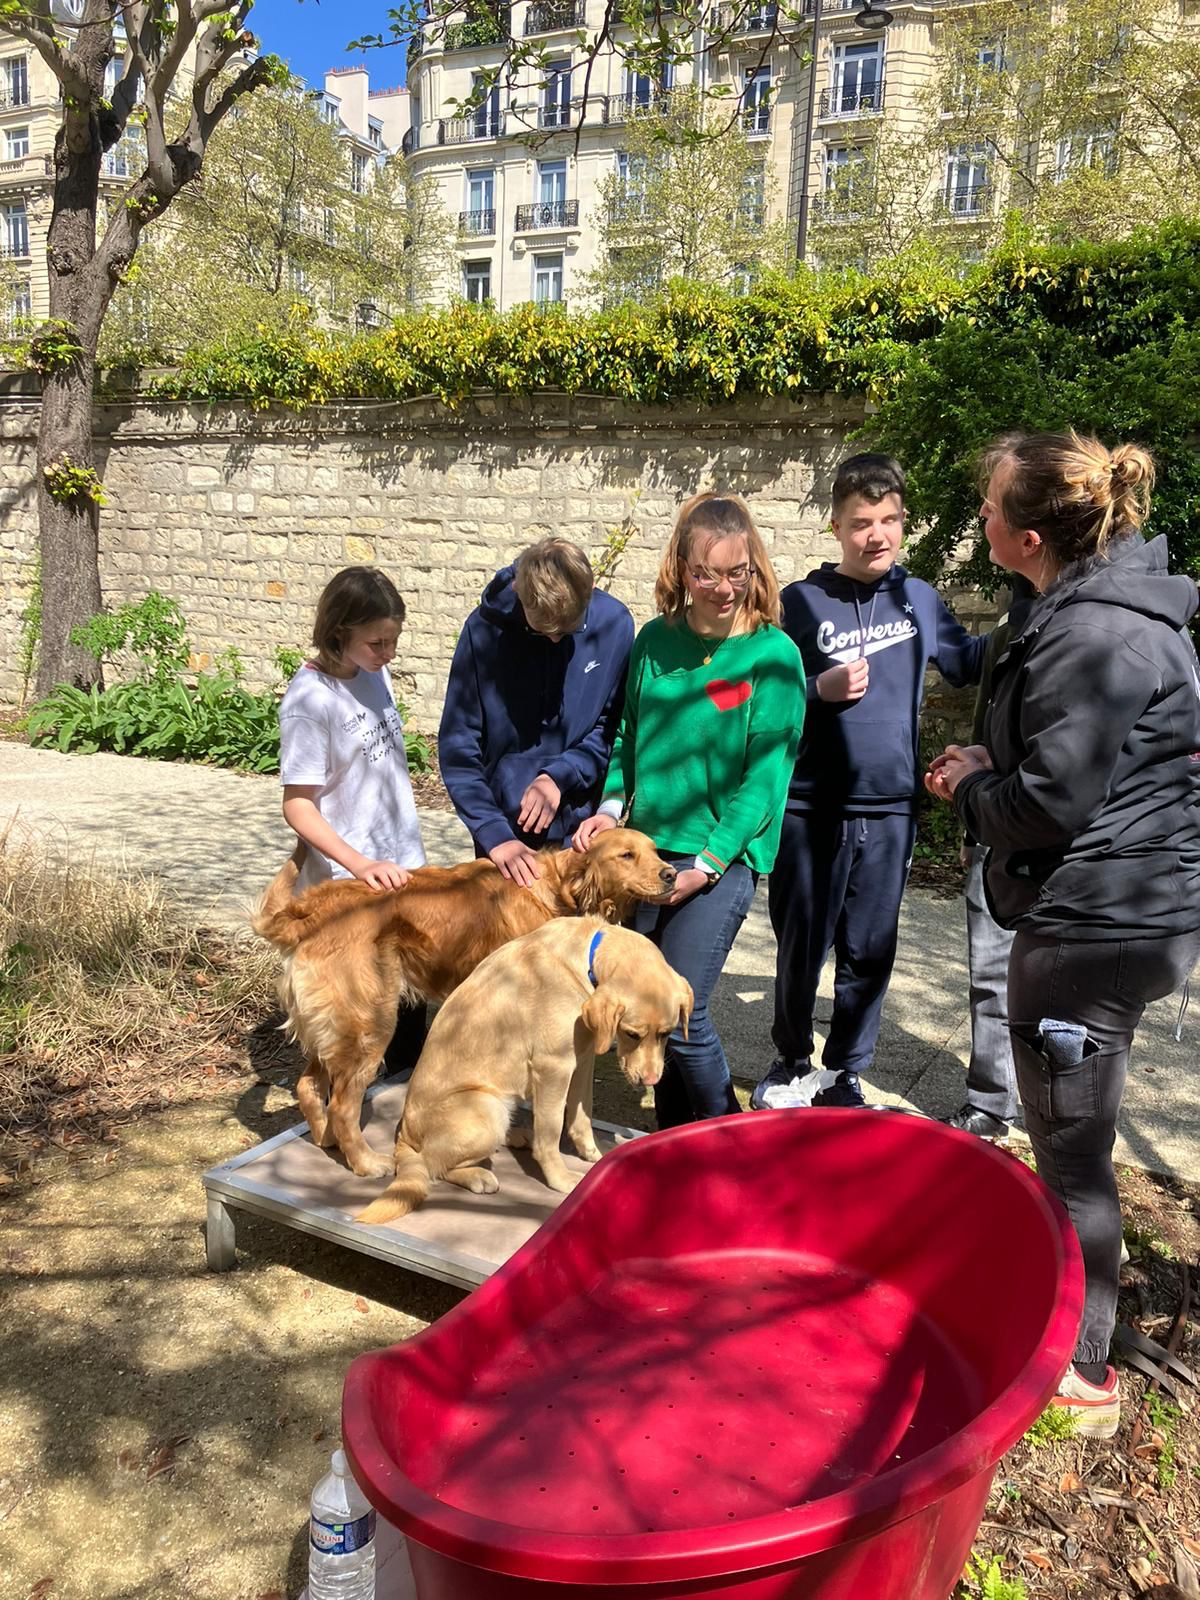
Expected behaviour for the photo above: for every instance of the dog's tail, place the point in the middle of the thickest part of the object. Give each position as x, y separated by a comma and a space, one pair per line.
273, 919
406, 1192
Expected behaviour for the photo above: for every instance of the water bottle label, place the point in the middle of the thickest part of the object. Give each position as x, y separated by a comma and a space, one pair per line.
341, 1538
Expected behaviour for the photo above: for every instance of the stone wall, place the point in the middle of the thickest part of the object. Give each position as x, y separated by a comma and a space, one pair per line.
242, 516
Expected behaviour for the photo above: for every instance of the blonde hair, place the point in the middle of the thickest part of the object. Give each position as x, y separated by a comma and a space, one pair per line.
554, 582
714, 516
1072, 490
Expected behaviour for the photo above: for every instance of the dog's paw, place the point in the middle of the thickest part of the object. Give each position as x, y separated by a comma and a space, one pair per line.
373, 1166
590, 1153
484, 1182
563, 1182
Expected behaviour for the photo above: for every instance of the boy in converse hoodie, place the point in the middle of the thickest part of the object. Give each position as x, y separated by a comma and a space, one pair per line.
866, 631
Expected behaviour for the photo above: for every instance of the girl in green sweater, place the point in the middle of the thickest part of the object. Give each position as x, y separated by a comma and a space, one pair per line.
714, 706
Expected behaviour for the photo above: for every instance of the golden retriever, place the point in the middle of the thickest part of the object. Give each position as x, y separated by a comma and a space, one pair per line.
529, 1022
351, 954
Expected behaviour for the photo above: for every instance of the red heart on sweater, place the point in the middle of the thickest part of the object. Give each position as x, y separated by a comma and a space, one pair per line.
725, 695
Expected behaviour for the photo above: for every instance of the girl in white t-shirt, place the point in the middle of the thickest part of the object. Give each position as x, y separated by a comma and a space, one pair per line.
346, 788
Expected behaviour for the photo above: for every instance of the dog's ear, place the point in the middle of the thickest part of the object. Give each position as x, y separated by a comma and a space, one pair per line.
686, 1001
586, 890
602, 1013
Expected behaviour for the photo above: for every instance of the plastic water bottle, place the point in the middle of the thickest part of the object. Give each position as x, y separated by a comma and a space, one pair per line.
341, 1538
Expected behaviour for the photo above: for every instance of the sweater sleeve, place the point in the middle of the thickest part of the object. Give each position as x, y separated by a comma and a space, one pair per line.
957, 654
460, 751
619, 782
1084, 693
579, 768
773, 737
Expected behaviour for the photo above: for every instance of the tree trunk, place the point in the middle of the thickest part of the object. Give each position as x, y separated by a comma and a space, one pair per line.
69, 530
79, 295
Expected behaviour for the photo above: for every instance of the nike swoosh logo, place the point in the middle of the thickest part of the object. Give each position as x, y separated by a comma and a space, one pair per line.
590, 666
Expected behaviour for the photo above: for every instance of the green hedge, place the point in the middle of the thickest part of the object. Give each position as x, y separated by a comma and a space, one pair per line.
1099, 336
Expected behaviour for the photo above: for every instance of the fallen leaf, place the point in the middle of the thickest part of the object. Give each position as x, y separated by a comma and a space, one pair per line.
41, 1588
307, 1295
318, 1436
272, 1594
1040, 1559
1192, 1546
360, 1304
129, 1459
1070, 1483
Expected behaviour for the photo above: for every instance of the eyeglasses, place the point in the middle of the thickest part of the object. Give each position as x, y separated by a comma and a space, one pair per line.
709, 578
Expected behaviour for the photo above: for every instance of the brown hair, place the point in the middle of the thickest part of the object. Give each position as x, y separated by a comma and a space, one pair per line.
357, 595
1072, 490
716, 516
554, 581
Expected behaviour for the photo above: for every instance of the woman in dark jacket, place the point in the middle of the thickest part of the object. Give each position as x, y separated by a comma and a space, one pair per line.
1087, 793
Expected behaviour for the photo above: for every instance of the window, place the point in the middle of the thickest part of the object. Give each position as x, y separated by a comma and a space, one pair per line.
16, 229
630, 202
556, 96
127, 158
857, 78
633, 275
642, 91
1093, 150
756, 102
477, 281
330, 111
547, 279
112, 75
329, 225
977, 81
752, 207
481, 202
14, 83
297, 277
358, 172
845, 178
552, 183
486, 116
966, 187
16, 143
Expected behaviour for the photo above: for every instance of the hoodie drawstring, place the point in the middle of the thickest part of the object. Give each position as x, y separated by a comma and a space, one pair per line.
863, 632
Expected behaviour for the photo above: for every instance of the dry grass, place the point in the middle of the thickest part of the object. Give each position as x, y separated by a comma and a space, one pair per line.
111, 1003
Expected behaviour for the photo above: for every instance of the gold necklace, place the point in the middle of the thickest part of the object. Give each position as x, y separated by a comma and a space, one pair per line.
709, 646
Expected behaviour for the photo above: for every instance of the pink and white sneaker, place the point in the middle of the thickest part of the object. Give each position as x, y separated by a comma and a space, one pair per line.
1096, 1407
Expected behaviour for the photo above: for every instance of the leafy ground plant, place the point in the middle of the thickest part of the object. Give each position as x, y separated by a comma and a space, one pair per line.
165, 711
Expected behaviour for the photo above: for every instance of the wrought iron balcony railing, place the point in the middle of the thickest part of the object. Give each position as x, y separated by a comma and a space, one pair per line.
624, 107
628, 210
965, 204
735, 20
475, 223
465, 130
846, 104
554, 115
757, 119
546, 17
547, 214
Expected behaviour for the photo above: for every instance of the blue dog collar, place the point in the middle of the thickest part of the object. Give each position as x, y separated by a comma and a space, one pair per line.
592, 948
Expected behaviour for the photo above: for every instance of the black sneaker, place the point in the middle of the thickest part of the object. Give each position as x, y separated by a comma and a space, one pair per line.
781, 1086
845, 1090
981, 1123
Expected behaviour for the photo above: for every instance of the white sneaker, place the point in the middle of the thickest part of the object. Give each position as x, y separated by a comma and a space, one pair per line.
1096, 1407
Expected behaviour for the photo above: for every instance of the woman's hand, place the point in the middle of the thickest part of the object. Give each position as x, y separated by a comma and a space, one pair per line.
955, 763
590, 827
687, 883
381, 875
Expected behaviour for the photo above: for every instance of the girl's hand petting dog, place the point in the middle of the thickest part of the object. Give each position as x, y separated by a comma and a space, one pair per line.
589, 828
955, 763
381, 875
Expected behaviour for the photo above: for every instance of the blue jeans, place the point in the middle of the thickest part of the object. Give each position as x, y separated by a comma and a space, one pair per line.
695, 937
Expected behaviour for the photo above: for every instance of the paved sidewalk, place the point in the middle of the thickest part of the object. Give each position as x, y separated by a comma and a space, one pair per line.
215, 838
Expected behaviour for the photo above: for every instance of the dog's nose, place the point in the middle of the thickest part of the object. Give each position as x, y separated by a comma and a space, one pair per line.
668, 875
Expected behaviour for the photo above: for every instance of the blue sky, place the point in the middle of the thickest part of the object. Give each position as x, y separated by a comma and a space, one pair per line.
313, 37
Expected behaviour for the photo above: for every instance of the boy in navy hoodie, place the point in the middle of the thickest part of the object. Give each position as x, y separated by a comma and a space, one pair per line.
532, 706
866, 631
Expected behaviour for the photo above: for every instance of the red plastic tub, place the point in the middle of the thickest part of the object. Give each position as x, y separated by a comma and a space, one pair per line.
769, 1355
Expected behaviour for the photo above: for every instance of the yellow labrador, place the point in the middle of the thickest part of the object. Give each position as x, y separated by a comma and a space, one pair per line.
529, 1023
